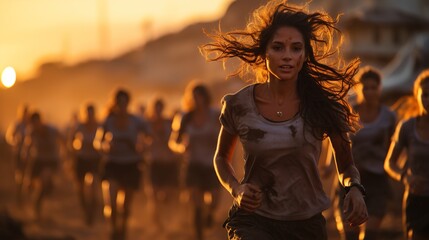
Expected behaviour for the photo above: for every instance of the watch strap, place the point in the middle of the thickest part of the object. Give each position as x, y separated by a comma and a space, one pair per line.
358, 186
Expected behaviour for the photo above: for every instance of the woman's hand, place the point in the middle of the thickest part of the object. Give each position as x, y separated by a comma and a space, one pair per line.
248, 197
354, 207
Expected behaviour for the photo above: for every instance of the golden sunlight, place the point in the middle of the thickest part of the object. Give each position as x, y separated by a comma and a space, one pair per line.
103, 28
8, 77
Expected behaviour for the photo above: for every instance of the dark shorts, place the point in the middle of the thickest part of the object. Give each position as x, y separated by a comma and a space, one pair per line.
417, 214
41, 165
126, 175
201, 177
83, 166
378, 192
164, 174
242, 225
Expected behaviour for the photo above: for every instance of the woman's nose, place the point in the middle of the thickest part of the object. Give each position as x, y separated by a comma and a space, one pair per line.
287, 54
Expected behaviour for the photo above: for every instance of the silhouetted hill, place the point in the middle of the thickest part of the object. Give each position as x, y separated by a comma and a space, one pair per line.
162, 65
175, 58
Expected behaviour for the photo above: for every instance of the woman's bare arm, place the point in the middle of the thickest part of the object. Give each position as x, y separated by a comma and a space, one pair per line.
347, 171
354, 205
391, 163
247, 196
223, 161
175, 142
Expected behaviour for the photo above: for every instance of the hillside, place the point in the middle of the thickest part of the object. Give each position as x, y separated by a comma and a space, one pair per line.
162, 65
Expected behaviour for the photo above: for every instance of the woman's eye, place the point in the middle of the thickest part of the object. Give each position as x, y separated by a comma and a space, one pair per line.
277, 48
297, 49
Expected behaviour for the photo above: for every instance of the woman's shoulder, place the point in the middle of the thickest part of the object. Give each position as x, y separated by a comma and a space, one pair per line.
388, 110
243, 93
389, 113
408, 124
184, 118
109, 118
52, 129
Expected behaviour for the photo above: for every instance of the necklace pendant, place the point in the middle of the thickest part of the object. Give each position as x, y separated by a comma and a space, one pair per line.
279, 113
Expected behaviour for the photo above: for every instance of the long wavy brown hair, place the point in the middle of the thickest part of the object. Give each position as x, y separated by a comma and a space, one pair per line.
324, 80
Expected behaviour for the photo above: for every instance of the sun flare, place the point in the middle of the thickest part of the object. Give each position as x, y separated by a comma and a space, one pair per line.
8, 77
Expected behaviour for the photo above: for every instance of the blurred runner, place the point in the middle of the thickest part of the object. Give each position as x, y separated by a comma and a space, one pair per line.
164, 163
15, 135
195, 134
121, 139
412, 137
86, 162
369, 148
42, 147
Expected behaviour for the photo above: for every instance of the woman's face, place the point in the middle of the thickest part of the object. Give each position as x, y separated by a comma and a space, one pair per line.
122, 103
199, 100
159, 108
36, 123
423, 96
285, 54
90, 113
370, 90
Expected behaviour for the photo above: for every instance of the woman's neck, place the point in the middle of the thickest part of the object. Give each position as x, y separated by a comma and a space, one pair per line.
90, 121
282, 91
156, 117
202, 110
122, 113
371, 106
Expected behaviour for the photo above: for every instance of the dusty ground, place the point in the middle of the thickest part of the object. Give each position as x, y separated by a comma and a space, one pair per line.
63, 218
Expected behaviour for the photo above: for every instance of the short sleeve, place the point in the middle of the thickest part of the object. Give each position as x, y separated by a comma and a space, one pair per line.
227, 115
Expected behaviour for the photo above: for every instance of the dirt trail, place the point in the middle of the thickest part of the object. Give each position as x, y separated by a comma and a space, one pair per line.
63, 219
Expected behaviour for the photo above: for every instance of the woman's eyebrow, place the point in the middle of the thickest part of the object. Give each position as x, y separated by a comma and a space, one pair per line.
282, 42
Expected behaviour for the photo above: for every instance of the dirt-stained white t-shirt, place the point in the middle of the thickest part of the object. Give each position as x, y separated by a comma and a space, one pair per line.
280, 157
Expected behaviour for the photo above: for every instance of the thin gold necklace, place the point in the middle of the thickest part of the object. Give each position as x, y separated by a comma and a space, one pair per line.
292, 128
279, 113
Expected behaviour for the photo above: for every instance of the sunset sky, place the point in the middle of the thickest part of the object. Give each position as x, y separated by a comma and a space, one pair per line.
32, 32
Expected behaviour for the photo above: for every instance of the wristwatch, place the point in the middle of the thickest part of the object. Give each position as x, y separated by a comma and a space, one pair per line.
358, 186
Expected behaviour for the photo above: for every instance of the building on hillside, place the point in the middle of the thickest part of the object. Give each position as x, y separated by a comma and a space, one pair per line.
374, 33
392, 35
